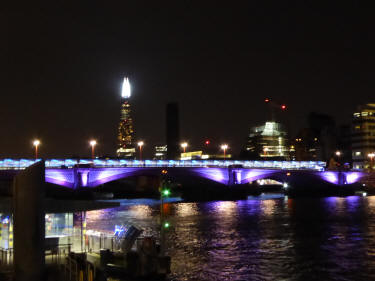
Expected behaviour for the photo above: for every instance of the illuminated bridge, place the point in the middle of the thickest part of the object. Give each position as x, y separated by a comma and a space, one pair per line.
74, 173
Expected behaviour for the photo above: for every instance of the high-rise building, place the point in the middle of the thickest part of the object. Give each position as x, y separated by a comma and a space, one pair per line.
173, 132
363, 137
268, 141
126, 142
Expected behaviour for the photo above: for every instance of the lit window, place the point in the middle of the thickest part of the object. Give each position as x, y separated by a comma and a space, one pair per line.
357, 153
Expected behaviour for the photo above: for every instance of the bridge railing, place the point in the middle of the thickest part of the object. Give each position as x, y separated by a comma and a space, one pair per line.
19, 164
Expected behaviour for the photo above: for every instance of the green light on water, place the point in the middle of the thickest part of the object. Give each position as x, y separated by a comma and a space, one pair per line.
166, 192
166, 224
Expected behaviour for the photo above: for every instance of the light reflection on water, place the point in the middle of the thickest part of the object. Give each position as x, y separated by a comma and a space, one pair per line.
295, 239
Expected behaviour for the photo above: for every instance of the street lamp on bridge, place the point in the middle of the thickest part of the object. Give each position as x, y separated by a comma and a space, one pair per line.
92, 144
36, 143
184, 145
140, 144
224, 147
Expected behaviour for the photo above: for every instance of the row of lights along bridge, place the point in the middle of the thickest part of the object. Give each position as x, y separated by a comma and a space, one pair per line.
93, 143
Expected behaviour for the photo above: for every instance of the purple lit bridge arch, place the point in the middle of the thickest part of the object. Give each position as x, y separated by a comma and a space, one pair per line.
74, 173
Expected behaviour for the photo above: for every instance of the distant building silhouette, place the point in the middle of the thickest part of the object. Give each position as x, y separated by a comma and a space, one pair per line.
173, 131
323, 128
306, 145
363, 136
344, 144
126, 142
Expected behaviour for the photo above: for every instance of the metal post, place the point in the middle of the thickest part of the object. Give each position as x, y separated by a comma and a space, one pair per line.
81, 231
162, 250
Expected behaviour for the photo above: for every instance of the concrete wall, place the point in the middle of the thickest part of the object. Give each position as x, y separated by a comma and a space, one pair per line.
29, 225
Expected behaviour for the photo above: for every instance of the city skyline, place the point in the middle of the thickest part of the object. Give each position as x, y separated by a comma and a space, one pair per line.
63, 69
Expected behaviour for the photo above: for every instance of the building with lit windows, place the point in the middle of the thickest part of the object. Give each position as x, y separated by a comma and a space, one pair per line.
126, 143
160, 152
363, 137
268, 141
201, 155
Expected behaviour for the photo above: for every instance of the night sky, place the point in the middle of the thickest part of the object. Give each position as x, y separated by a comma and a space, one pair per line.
61, 70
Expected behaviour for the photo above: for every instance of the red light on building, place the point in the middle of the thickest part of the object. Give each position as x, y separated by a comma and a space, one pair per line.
267, 100
283, 107
207, 142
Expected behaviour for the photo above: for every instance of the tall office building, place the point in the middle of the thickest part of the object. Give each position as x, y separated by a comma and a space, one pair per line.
126, 142
268, 141
173, 132
363, 136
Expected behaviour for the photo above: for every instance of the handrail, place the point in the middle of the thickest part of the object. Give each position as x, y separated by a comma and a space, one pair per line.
7, 255
19, 164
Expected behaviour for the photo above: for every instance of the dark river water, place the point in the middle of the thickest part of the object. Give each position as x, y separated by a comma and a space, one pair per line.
277, 239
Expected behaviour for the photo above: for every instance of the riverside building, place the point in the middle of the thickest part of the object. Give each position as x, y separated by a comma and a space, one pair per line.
363, 137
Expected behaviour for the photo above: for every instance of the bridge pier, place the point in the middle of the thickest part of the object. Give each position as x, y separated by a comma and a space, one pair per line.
234, 176
341, 178
81, 177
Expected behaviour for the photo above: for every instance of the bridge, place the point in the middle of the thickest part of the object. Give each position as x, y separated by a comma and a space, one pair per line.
82, 173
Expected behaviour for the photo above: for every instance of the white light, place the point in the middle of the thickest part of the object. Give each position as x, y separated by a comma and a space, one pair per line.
224, 146
141, 143
93, 142
36, 142
125, 88
285, 185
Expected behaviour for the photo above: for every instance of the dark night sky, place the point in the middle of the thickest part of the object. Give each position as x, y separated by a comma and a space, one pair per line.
61, 69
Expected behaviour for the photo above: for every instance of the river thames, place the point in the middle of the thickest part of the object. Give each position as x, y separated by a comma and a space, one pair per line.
275, 239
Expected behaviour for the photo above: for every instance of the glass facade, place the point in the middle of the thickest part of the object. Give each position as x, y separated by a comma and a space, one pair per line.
126, 143
268, 141
58, 228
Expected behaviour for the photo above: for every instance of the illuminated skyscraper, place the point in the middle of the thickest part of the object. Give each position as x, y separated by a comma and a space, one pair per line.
126, 144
